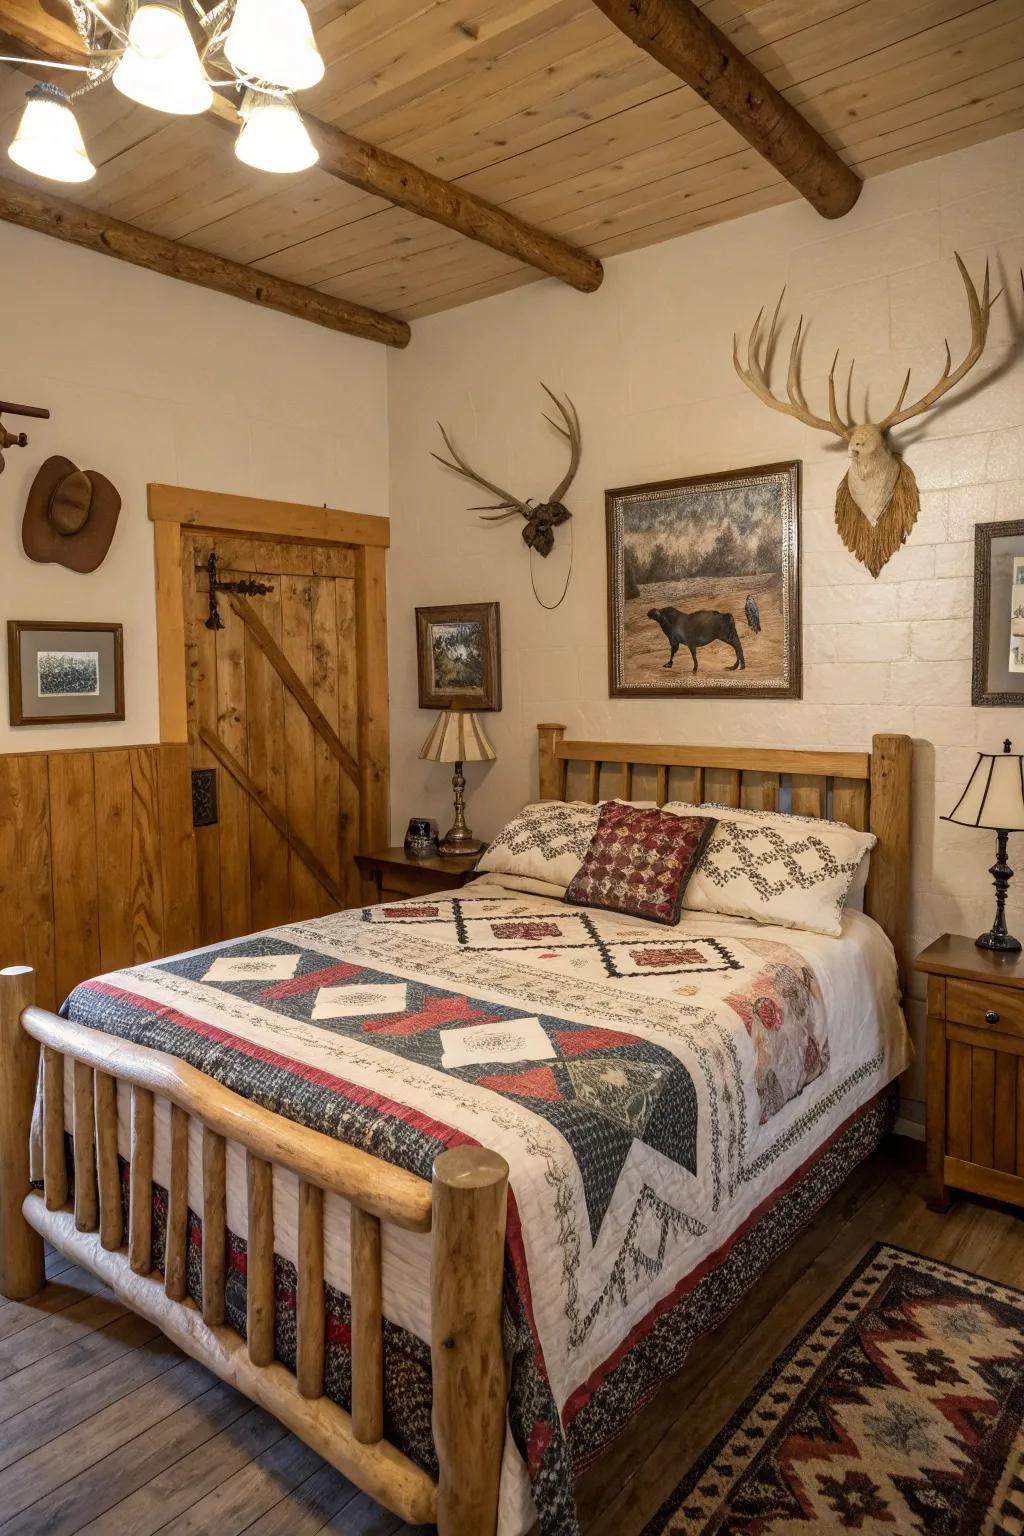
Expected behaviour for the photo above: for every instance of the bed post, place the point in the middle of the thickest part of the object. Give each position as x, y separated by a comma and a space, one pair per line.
551, 769
892, 762
468, 1253
21, 1249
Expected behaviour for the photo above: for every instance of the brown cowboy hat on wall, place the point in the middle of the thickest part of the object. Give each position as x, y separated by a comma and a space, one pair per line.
70, 516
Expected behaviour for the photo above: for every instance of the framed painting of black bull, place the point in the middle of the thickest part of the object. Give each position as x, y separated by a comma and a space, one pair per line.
704, 585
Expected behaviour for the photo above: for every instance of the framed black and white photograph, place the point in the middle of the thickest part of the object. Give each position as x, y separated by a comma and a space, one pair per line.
704, 585
62, 673
458, 653
997, 674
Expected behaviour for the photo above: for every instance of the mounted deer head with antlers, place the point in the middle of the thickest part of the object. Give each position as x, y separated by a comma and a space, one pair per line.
877, 501
541, 518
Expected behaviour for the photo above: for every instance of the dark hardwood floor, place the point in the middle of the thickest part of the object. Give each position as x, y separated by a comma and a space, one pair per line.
106, 1428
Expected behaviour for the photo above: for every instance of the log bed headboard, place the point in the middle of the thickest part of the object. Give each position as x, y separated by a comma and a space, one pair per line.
866, 790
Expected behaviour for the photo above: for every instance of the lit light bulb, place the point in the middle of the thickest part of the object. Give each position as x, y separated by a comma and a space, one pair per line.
160, 68
273, 136
49, 141
273, 40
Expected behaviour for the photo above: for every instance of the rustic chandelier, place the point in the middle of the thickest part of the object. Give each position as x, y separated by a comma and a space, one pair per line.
264, 49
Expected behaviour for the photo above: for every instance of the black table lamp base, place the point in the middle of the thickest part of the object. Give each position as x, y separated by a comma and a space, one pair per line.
997, 937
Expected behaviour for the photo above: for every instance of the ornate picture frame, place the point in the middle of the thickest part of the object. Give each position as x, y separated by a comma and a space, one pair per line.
64, 673
997, 667
704, 586
458, 656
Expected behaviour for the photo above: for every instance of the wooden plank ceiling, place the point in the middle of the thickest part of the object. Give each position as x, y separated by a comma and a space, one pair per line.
544, 108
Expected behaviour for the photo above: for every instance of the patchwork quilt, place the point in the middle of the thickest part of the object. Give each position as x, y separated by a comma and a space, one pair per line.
672, 1103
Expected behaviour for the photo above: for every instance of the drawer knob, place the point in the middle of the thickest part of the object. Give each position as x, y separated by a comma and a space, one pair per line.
991, 1017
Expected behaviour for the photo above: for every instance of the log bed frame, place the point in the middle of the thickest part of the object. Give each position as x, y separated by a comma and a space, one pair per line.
462, 1207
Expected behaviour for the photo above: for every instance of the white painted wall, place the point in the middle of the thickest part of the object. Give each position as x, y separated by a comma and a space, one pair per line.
149, 379
648, 362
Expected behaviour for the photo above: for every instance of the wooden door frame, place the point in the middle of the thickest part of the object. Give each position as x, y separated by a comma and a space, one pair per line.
175, 510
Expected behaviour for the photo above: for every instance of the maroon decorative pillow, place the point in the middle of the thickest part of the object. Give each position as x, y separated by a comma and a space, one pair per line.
639, 862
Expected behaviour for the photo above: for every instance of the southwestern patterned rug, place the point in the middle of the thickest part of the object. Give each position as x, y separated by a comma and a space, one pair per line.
898, 1409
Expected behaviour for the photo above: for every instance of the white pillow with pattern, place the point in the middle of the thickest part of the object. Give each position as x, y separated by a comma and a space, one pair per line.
858, 885
546, 841
791, 871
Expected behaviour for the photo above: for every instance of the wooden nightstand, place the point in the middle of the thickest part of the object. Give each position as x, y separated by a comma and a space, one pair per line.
397, 875
975, 1123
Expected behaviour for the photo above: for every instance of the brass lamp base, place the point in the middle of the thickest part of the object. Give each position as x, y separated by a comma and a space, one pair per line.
452, 847
459, 842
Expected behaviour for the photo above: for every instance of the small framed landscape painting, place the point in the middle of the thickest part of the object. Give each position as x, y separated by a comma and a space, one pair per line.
62, 673
704, 586
997, 674
458, 651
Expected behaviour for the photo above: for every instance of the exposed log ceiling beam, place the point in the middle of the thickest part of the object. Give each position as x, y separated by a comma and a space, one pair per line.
362, 165
682, 38
420, 191
52, 37
81, 226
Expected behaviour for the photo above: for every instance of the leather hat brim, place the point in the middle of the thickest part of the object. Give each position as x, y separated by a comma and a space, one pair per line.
82, 551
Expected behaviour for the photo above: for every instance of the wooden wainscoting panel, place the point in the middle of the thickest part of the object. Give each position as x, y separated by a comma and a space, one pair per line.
98, 861
76, 908
177, 854
129, 892
26, 882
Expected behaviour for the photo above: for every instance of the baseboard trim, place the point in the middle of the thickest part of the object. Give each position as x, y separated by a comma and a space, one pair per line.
912, 1129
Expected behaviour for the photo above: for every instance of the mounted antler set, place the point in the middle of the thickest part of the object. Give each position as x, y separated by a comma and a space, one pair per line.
17, 439
541, 518
877, 501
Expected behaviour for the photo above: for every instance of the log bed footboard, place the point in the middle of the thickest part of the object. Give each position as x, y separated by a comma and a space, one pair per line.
463, 1208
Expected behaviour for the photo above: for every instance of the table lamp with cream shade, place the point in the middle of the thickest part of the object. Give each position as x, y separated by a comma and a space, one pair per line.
994, 799
457, 736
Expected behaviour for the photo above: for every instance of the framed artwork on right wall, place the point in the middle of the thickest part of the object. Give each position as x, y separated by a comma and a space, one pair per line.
997, 674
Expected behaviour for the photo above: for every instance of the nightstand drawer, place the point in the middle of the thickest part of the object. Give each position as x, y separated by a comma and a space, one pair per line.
401, 883
985, 1007
397, 875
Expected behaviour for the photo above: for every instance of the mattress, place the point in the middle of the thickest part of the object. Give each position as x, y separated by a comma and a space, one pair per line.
673, 1104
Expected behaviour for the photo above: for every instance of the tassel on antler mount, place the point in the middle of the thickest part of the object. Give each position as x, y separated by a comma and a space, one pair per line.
541, 518
877, 501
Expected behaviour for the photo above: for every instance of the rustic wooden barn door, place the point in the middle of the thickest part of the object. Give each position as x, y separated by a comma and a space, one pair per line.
274, 720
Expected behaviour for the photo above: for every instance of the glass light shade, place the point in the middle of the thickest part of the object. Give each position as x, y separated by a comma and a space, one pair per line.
273, 136
273, 40
994, 797
49, 141
160, 68
457, 736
